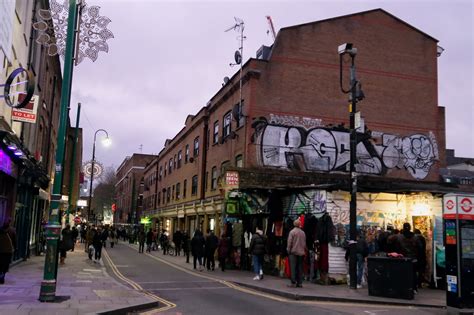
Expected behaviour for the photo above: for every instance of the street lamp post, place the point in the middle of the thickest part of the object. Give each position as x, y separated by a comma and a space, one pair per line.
356, 94
92, 170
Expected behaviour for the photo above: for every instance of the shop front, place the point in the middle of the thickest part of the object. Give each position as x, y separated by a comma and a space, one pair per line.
324, 212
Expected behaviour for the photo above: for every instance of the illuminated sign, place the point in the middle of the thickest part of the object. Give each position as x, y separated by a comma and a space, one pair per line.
5, 163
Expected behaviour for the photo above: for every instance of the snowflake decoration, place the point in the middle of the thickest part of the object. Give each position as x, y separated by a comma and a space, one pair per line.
92, 36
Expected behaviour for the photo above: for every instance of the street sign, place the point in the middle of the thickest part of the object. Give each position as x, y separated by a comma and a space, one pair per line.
28, 113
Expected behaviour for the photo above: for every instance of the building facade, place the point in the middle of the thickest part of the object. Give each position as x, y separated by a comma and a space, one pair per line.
279, 148
129, 188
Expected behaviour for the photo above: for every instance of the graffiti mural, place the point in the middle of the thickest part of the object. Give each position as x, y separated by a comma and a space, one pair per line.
327, 149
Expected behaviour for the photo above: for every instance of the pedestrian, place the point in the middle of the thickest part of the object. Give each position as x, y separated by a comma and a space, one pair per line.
155, 240
65, 244
83, 234
7, 248
223, 250
409, 248
97, 243
113, 238
141, 241
257, 249
177, 239
91, 231
210, 250
74, 234
164, 242
421, 243
104, 236
186, 246
149, 240
197, 248
296, 248
362, 251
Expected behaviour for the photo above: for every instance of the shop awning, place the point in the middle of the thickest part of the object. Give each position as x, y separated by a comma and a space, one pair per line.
277, 179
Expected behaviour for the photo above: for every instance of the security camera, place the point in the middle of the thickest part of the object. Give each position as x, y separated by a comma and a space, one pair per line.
347, 48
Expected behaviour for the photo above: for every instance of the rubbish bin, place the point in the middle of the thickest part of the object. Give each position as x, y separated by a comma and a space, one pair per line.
391, 277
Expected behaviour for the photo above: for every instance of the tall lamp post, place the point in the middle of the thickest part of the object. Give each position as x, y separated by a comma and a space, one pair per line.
356, 94
106, 142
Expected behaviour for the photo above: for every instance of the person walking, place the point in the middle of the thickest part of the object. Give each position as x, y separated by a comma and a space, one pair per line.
223, 250
409, 248
296, 248
141, 241
197, 248
257, 249
97, 243
74, 235
155, 240
65, 244
104, 237
421, 243
210, 248
164, 242
113, 238
7, 248
186, 246
362, 251
177, 239
91, 231
149, 240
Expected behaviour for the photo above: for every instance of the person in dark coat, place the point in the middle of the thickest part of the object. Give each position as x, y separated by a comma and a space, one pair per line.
97, 243
149, 240
186, 246
210, 246
178, 240
141, 241
409, 248
66, 243
74, 234
197, 248
421, 243
7, 247
223, 250
257, 249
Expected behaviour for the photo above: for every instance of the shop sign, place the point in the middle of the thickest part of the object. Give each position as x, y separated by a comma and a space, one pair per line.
28, 113
466, 208
232, 179
449, 207
5, 163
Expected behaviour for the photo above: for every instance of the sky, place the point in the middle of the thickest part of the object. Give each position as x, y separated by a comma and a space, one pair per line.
168, 58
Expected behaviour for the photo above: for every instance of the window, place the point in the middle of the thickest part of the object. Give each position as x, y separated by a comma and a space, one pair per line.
172, 194
240, 119
196, 147
178, 191
186, 154
214, 178
159, 198
174, 161
224, 165
206, 181
239, 162
180, 156
185, 183
161, 173
170, 166
194, 185
215, 138
226, 129
168, 194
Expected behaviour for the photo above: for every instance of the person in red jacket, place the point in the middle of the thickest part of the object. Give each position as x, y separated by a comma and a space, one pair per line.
296, 248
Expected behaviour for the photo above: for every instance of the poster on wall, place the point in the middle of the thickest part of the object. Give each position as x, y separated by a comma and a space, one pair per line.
422, 223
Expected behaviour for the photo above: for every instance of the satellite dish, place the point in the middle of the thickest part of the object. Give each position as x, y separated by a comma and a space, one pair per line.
226, 80
237, 57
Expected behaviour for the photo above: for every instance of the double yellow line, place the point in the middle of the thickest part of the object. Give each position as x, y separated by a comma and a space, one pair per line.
167, 304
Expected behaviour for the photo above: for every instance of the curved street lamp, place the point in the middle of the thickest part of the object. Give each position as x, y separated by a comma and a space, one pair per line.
106, 142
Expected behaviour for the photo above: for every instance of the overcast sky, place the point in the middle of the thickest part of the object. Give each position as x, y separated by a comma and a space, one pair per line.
168, 58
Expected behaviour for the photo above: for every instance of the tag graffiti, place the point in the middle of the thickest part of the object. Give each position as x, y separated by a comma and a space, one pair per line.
328, 149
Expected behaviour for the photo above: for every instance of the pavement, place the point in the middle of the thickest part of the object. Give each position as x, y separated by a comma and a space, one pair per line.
83, 287
430, 298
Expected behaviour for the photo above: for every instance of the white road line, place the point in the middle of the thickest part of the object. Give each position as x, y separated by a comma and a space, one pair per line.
182, 289
151, 282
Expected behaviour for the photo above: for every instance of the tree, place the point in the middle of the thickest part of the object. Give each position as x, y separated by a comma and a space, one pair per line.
104, 192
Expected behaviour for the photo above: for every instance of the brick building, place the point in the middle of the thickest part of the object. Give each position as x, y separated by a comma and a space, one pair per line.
129, 188
284, 150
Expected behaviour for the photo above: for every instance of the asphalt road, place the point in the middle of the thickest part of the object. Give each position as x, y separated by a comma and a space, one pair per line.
185, 292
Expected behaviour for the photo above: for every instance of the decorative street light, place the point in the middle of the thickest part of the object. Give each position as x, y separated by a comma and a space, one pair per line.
356, 94
105, 142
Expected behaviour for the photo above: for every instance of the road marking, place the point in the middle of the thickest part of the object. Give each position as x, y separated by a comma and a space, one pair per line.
137, 287
92, 270
164, 282
182, 289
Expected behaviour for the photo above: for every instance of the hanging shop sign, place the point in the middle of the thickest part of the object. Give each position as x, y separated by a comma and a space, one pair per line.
28, 113
232, 179
458, 206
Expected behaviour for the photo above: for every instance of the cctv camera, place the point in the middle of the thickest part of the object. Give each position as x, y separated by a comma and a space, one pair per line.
346, 48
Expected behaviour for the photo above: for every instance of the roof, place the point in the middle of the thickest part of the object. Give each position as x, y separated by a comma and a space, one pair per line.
361, 13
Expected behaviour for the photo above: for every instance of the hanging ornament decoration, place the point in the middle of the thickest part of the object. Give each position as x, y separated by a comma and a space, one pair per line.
98, 169
92, 33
